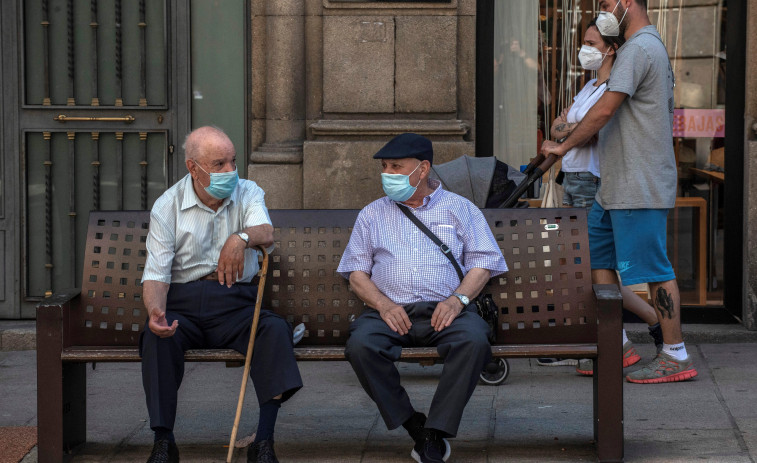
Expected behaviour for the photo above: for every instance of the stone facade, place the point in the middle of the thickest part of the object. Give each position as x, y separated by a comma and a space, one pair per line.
334, 80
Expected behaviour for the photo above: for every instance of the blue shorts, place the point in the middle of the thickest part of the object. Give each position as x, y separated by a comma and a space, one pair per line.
631, 241
579, 189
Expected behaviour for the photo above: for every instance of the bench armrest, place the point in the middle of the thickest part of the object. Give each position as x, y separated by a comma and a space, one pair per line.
608, 374
609, 324
53, 318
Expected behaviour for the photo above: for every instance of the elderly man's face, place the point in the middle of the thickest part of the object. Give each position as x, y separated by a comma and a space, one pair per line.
216, 157
399, 166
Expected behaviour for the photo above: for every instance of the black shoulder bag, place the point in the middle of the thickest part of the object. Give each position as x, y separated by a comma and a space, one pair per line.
485, 305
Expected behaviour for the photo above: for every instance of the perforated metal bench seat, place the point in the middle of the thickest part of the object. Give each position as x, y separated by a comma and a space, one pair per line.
547, 308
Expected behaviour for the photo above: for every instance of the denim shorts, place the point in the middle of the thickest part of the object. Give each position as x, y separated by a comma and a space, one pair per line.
631, 241
579, 189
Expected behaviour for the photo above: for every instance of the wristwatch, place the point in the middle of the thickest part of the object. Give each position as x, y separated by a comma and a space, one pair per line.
244, 237
463, 298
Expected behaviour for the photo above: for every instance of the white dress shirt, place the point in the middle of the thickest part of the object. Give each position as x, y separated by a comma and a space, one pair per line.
186, 236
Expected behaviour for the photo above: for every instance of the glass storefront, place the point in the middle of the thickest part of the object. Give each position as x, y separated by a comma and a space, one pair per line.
536, 74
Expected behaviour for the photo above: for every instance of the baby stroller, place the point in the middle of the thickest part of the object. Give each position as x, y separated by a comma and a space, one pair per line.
490, 183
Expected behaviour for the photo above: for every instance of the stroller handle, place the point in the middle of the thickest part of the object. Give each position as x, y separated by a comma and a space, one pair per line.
531, 178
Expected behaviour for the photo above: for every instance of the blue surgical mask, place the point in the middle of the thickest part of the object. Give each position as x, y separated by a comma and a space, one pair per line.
397, 186
222, 184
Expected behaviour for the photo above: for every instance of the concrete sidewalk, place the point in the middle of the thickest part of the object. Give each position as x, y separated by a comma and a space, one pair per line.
539, 414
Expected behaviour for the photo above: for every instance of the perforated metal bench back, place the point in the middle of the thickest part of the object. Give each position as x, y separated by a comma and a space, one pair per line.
546, 296
112, 312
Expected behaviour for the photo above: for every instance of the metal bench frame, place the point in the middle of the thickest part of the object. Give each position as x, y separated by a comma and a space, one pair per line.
548, 308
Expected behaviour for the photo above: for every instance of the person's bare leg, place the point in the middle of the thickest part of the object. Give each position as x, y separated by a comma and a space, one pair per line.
667, 303
604, 277
635, 304
631, 301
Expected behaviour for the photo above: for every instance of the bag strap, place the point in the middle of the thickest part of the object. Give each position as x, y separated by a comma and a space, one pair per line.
443, 247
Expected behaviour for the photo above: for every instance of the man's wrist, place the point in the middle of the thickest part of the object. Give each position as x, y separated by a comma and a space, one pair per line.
457, 302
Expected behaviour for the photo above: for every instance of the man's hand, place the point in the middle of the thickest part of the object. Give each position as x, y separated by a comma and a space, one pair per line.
550, 147
445, 312
231, 261
159, 326
396, 317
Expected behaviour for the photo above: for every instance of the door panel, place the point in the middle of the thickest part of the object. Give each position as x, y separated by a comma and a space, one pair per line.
72, 173
95, 52
98, 122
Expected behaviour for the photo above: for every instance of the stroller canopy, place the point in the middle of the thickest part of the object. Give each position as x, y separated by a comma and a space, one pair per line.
471, 177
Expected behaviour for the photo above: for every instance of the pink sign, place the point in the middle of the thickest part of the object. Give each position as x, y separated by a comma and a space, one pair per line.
699, 123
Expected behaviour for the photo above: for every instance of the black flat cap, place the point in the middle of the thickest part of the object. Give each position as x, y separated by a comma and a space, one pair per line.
407, 145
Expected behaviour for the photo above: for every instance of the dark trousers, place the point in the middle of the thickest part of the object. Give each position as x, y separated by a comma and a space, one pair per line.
213, 316
373, 347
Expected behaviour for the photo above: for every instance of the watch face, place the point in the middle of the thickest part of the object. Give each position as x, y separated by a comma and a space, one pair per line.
244, 236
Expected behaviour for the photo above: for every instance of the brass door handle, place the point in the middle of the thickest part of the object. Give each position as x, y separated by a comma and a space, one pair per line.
63, 118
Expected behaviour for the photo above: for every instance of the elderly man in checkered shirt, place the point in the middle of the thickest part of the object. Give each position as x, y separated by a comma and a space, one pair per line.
413, 294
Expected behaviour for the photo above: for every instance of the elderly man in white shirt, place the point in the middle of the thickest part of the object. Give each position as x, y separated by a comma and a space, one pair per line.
199, 290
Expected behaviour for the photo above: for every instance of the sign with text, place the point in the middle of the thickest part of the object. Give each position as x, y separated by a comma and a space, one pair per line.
699, 123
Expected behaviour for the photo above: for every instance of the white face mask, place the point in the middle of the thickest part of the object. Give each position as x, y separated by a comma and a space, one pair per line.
608, 24
591, 58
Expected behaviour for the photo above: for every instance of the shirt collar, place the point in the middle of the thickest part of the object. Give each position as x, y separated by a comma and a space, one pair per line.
190, 198
431, 199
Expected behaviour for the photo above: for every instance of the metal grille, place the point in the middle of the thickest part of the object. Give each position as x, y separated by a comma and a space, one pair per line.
548, 289
68, 175
95, 53
112, 310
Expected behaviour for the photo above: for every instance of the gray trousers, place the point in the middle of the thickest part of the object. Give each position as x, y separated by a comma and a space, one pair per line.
373, 347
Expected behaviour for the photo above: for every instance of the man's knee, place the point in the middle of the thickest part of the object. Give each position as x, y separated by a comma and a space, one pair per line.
355, 347
274, 325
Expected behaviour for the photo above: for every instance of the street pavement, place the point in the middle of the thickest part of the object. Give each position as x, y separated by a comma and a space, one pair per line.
539, 414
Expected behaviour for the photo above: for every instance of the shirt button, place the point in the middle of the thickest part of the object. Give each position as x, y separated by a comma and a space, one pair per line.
415, 231
415, 269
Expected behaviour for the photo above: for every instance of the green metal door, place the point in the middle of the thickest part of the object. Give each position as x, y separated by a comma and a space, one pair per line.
104, 100
97, 96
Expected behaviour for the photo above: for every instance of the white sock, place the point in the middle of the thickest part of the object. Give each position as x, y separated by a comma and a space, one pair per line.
625, 336
677, 351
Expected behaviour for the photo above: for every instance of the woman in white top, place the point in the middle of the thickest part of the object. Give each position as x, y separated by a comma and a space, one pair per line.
582, 176
580, 165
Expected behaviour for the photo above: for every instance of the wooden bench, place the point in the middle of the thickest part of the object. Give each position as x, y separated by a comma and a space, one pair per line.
548, 308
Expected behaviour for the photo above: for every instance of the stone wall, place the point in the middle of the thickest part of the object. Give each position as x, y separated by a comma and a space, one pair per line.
334, 80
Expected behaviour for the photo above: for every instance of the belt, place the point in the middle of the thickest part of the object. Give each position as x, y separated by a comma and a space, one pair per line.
213, 276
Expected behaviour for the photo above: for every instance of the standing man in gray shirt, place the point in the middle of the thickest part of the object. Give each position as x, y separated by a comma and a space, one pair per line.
628, 221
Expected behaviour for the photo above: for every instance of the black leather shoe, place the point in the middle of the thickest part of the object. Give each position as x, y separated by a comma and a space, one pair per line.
431, 447
164, 451
261, 452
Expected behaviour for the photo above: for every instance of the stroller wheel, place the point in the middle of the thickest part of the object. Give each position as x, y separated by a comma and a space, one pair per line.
495, 372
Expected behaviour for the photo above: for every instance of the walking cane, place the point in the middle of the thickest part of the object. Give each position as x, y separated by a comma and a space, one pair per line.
248, 358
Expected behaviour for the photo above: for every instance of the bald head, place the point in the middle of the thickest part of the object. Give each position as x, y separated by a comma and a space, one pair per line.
206, 141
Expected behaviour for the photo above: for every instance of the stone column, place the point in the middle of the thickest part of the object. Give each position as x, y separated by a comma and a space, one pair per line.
276, 165
749, 298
